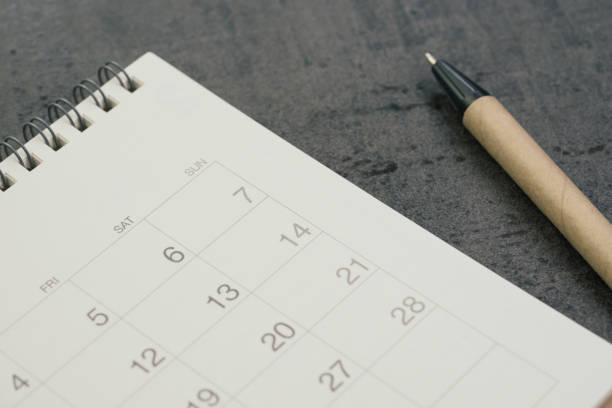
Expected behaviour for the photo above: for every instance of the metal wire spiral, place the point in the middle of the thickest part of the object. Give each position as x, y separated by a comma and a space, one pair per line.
63, 107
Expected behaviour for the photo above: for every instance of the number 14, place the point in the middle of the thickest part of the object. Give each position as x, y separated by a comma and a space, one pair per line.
298, 231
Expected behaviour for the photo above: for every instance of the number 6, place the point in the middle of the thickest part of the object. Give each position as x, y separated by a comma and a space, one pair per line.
173, 255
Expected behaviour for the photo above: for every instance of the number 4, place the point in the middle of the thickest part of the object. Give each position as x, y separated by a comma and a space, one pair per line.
299, 230
19, 383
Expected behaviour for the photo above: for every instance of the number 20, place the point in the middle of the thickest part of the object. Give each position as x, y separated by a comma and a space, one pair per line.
282, 330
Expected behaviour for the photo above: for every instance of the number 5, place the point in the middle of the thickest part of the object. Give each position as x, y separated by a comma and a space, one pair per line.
100, 319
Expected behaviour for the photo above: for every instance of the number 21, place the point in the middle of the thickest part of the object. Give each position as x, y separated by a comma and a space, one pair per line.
347, 272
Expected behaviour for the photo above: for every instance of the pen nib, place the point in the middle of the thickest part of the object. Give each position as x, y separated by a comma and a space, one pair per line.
430, 58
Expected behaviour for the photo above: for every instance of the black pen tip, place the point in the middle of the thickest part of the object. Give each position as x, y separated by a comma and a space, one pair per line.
461, 89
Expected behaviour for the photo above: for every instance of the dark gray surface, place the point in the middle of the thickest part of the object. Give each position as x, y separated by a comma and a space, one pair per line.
346, 81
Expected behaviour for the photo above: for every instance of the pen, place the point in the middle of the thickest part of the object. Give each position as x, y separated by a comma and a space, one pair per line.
530, 167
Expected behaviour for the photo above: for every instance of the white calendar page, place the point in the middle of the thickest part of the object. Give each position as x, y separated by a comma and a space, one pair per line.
178, 254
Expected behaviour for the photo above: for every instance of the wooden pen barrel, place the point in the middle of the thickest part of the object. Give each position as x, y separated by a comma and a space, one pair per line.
543, 181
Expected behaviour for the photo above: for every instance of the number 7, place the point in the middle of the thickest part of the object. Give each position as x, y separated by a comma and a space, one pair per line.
244, 193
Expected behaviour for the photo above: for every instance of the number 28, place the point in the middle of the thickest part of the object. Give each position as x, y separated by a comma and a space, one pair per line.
408, 310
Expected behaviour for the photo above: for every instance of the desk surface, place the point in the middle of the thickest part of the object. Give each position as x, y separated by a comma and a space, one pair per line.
346, 81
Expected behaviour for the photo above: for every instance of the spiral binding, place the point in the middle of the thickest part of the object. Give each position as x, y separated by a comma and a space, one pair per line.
63, 107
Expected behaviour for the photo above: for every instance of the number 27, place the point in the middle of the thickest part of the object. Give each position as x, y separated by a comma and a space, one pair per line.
331, 376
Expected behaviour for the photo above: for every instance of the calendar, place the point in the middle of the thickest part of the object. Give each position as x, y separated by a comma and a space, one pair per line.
169, 251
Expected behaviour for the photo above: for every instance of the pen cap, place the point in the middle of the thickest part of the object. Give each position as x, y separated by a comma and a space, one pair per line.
462, 90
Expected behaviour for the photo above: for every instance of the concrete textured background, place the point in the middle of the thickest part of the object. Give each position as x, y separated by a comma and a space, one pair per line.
346, 81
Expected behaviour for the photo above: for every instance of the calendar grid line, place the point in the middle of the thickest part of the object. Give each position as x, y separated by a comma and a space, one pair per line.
83, 348
195, 255
545, 394
270, 364
307, 330
365, 369
122, 318
466, 373
160, 285
498, 344
26, 371
401, 281
476, 329
40, 384
270, 276
201, 375
64, 281
97, 337
371, 262
177, 356
141, 220
231, 226
418, 292
529, 363
273, 198
181, 188
99, 254
69, 279
198, 255
368, 369
345, 297
173, 358
43, 387
251, 293
394, 276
